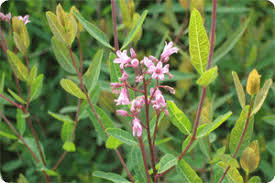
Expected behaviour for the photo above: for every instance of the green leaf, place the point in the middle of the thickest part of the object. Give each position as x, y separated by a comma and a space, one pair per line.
63, 118
113, 143
70, 28
105, 119
19, 43
232, 176
49, 172
230, 42
22, 179
32, 144
261, 95
237, 132
16, 97
198, 42
57, 29
122, 135
20, 121
255, 179
178, 118
239, 89
36, 87
91, 76
66, 131
270, 119
17, 66
11, 165
229, 160
110, 176
208, 77
187, 173
137, 163
63, 56
94, 31
8, 135
166, 162
70, 87
32, 75
69, 146
134, 30
212, 126
114, 69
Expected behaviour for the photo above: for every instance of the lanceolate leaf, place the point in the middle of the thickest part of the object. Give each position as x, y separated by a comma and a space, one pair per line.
134, 30
16, 97
178, 118
187, 173
36, 87
198, 42
238, 130
166, 162
230, 42
94, 31
66, 131
57, 30
208, 77
62, 55
232, 176
212, 126
122, 135
137, 164
20, 121
72, 88
63, 118
17, 66
114, 69
110, 176
91, 76
239, 88
261, 95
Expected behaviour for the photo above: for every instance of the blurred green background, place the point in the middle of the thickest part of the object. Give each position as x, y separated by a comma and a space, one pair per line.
253, 48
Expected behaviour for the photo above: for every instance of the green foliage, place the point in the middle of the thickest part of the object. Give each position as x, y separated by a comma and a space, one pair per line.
239, 89
110, 176
208, 77
166, 162
113, 143
69, 146
122, 135
17, 66
187, 173
70, 87
233, 174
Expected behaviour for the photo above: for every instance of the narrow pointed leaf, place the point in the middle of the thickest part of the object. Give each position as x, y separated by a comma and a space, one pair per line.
113, 177
166, 162
20, 121
17, 97
17, 66
66, 131
137, 164
212, 126
261, 95
94, 31
230, 42
122, 135
178, 118
114, 69
239, 89
8, 135
134, 30
70, 87
187, 173
36, 87
208, 77
59, 117
91, 76
232, 176
198, 42
238, 130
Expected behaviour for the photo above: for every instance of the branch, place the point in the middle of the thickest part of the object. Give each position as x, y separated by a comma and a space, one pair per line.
114, 25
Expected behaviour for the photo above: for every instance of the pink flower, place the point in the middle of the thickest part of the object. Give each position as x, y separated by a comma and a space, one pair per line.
147, 62
122, 58
134, 63
154, 59
159, 101
158, 71
122, 113
137, 128
137, 104
6, 17
124, 77
167, 51
115, 86
25, 19
139, 78
123, 97
133, 53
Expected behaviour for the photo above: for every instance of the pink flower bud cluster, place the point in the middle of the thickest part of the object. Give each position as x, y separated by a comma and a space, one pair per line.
25, 19
148, 66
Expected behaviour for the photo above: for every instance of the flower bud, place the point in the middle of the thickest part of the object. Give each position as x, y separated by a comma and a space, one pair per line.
133, 53
253, 82
122, 113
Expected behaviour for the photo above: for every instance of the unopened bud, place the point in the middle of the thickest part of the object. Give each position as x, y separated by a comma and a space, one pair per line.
133, 53
170, 89
122, 113
253, 82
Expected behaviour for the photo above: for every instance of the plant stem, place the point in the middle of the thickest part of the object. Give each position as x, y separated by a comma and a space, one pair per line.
10, 101
196, 123
242, 137
155, 131
144, 158
95, 113
114, 25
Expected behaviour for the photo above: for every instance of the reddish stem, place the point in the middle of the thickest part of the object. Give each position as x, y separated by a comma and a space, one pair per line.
10, 101
114, 25
155, 131
141, 145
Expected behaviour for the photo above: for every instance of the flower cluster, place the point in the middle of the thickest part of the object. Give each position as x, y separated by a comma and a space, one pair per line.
148, 66
6, 17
